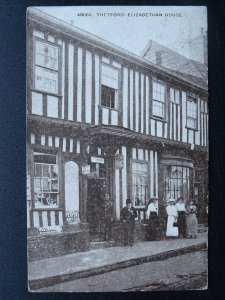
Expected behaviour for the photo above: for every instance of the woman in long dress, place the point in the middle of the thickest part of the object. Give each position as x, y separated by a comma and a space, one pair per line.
181, 210
191, 220
152, 215
171, 230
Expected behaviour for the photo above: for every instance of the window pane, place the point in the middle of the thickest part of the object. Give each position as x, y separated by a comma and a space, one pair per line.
37, 170
109, 76
108, 96
37, 104
157, 109
177, 97
140, 180
46, 55
191, 122
45, 181
37, 185
44, 158
172, 95
191, 114
176, 182
52, 107
46, 80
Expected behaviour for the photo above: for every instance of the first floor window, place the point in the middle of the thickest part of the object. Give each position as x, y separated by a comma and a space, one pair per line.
46, 183
46, 66
191, 113
177, 182
139, 183
109, 86
158, 104
108, 97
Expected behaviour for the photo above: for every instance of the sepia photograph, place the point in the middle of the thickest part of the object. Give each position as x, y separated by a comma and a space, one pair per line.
117, 148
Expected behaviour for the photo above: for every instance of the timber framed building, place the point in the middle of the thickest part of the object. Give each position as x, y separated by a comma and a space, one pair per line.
104, 125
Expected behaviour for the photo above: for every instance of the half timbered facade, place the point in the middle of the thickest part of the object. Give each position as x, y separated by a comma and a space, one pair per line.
104, 125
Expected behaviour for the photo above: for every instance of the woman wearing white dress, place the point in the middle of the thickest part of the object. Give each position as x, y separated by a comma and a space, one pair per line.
171, 230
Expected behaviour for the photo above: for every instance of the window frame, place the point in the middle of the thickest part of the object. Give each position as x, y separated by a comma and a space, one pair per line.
46, 207
115, 98
147, 184
178, 90
164, 117
191, 98
116, 101
58, 72
167, 180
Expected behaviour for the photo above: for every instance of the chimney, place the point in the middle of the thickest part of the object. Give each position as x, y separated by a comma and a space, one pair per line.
158, 57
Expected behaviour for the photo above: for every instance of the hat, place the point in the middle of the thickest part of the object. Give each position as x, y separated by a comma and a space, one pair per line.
128, 201
170, 200
153, 198
180, 198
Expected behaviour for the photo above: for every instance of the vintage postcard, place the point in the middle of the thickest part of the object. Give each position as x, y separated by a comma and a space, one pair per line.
117, 148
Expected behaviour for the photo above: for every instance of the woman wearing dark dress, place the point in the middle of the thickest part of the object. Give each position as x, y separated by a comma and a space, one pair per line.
152, 215
181, 211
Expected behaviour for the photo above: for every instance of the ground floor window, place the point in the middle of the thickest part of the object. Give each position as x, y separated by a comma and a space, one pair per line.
139, 183
177, 182
46, 183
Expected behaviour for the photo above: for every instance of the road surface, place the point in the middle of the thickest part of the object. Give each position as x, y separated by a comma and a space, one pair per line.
183, 272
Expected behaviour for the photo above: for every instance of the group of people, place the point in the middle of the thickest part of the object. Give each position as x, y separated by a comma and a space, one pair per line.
181, 220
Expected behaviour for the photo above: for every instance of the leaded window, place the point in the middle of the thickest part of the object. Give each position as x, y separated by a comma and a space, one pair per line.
158, 104
177, 182
140, 183
46, 183
46, 67
191, 113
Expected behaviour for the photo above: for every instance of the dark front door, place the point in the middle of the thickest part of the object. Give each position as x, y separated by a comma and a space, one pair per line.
95, 207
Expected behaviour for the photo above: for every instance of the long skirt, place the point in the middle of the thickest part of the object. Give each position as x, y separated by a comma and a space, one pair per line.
153, 229
171, 230
191, 225
181, 223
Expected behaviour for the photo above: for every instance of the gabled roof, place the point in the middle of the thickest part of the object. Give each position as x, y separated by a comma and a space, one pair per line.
47, 21
194, 71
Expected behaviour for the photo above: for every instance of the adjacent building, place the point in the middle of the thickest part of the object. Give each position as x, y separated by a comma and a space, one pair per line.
104, 125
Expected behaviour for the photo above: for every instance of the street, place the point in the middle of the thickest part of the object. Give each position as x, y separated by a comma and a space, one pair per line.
187, 271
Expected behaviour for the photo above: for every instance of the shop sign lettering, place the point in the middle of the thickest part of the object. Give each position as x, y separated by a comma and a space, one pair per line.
97, 160
50, 229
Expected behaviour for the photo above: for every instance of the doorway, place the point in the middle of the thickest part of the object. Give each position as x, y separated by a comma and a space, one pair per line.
95, 207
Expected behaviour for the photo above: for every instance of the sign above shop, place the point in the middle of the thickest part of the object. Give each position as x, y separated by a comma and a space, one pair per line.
86, 169
97, 160
50, 229
119, 161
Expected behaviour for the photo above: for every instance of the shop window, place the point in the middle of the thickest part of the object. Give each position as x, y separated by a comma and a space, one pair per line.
109, 87
158, 104
139, 183
191, 113
46, 67
46, 183
177, 182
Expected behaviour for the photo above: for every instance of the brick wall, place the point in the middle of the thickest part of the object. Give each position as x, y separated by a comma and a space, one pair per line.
46, 246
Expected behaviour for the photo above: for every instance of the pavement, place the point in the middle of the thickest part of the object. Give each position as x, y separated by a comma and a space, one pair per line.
47, 272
